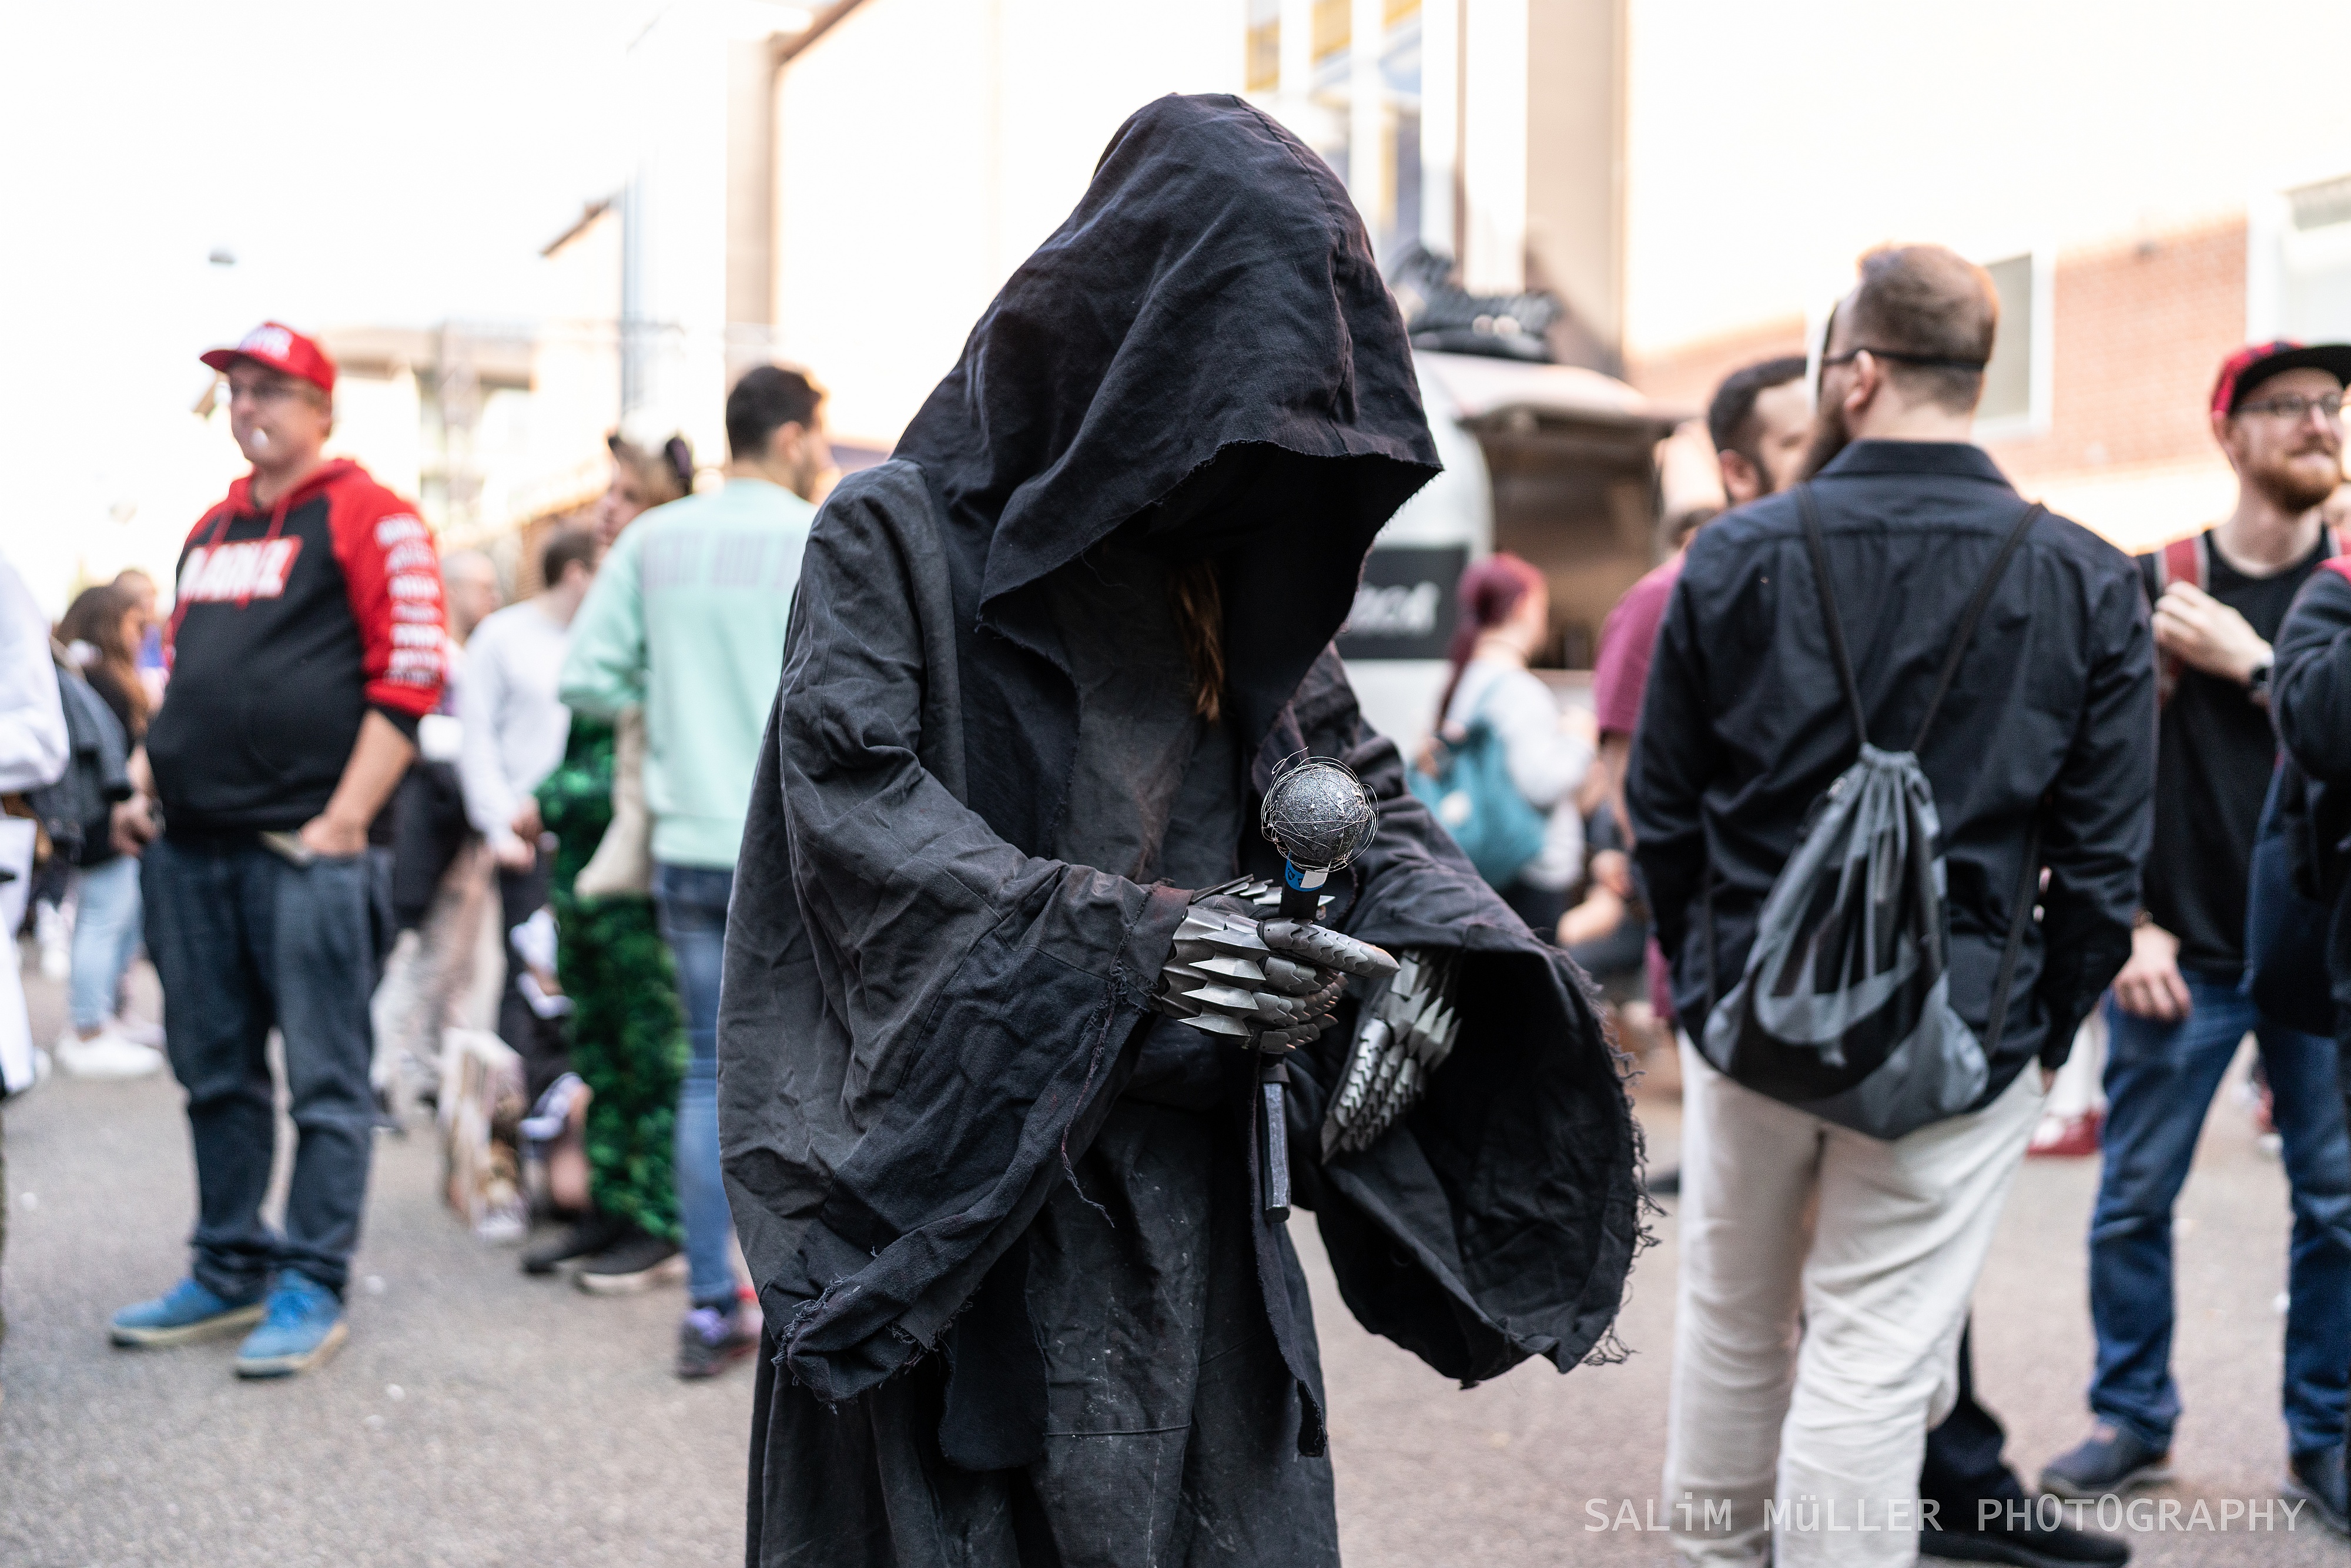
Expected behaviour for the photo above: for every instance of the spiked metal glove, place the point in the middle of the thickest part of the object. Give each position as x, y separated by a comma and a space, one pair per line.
1239, 970
1406, 1030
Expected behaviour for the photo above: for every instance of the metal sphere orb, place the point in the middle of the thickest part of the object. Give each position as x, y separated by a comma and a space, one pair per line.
1318, 813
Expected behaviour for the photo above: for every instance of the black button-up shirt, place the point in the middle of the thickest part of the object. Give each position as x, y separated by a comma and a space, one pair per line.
2052, 711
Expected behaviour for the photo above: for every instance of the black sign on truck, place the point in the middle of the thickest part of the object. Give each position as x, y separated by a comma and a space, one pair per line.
1405, 608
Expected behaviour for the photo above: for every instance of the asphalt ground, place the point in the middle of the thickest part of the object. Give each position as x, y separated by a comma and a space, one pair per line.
477, 1417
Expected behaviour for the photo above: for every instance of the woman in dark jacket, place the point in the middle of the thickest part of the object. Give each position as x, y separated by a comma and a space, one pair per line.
101, 631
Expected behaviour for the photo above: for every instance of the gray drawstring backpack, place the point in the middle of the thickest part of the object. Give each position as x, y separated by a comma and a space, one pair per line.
1844, 1009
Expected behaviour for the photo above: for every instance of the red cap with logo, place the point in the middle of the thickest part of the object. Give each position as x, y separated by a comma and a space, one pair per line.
282, 349
2251, 365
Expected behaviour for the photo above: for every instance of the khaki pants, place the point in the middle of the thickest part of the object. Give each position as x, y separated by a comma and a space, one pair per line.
1825, 1280
444, 975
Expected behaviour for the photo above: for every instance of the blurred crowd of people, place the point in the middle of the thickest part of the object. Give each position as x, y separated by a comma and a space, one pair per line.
2114, 739
468, 860
477, 857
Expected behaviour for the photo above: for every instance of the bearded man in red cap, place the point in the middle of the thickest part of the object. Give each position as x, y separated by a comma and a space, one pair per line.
304, 642
2181, 1007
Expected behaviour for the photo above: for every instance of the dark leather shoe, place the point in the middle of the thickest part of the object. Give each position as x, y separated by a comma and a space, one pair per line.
2027, 1532
591, 1235
2108, 1462
637, 1262
2317, 1478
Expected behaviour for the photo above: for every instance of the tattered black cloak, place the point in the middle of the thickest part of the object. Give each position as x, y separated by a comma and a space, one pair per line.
928, 1022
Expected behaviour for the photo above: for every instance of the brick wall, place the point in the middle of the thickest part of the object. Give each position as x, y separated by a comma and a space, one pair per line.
1685, 376
2140, 330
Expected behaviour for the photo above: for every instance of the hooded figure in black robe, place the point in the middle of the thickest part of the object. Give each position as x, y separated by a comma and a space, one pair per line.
1022, 1307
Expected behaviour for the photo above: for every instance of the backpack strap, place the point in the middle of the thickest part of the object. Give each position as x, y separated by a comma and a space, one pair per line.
2184, 560
1975, 610
2190, 560
1829, 617
1484, 693
2181, 561
1818, 545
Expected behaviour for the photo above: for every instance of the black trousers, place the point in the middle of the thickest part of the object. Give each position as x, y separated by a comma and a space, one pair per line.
1963, 1459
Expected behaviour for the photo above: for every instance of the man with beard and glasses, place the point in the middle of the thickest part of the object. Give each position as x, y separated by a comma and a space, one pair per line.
1027, 1301
1825, 1270
2178, 1012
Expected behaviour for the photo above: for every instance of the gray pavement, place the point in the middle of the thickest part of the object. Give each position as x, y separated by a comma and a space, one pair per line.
477, 1417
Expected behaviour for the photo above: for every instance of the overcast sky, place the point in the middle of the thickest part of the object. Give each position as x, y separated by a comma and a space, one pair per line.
389, 164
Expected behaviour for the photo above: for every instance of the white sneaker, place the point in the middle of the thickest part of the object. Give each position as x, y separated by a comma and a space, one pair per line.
105, 1055
53, 933
138, 1031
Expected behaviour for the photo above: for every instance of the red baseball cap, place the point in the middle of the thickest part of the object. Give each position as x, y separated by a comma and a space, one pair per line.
278, 346
2251, 365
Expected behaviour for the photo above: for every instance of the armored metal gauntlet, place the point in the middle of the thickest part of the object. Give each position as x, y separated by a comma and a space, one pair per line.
1239, 970
1407, 1030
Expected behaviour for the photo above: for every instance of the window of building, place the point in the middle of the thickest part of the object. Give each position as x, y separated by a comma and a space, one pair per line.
1333, 21
1264, 69
1400, 85
2016, 382
1321, 109
2314, 281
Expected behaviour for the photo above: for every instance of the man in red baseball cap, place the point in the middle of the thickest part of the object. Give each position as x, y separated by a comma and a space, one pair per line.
305, 643
2177, 1014
273, 346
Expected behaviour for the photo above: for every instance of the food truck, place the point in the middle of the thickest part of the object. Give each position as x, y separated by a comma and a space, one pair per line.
1553, 462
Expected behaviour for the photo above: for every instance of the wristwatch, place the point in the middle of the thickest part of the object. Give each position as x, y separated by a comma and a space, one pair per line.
2257, 684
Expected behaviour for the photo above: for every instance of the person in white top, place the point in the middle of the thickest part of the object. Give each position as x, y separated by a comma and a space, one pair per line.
514, 727
514, 731
1505, 619
469, 588
32, 753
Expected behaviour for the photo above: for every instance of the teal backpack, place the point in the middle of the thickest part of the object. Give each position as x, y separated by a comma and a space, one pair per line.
1472, 794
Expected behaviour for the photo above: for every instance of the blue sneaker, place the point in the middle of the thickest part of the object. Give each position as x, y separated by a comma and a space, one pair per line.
303, 1326
187, 1312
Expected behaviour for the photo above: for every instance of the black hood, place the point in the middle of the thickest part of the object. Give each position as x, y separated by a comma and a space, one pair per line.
1204, 350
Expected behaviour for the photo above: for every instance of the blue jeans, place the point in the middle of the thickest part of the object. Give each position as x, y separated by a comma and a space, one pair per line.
691, 904
106, 933
243, 943
2160, 1079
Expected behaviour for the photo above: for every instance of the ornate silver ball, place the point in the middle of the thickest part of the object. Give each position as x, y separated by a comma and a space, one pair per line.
1318, 813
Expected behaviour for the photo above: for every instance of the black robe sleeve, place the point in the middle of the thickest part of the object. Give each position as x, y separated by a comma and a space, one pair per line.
1499, 1220
919, 1021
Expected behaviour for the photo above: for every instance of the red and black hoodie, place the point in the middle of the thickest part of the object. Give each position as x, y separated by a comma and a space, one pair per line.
288, 625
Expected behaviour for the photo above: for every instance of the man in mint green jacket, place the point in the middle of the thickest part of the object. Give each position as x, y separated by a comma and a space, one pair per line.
686, 617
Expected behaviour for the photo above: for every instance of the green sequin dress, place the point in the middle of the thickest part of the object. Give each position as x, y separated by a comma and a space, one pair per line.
628, 1031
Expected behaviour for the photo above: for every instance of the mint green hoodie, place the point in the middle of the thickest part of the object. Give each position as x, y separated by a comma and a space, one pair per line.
686, 616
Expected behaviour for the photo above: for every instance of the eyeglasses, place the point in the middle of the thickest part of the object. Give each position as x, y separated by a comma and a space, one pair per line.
264, 392
2294, 410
